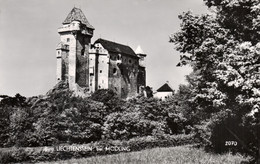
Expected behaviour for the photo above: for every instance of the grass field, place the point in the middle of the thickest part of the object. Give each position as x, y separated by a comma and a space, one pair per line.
172, 155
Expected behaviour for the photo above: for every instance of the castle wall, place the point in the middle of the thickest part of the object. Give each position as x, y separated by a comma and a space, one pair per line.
69, 38
103, 65
141, 78
92, 72
132, 73
59, 66
82, 60
114, 78
123, 75
65, 65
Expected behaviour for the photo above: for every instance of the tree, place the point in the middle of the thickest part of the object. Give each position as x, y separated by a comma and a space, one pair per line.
223, 48
17, 100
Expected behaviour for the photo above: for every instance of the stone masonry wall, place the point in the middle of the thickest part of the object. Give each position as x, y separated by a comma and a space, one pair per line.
141, 78
82, 57
123, 75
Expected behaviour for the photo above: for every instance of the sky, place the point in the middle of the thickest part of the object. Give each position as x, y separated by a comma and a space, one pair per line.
28, 38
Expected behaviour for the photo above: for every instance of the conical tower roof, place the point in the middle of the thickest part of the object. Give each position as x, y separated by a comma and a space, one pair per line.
77, 14
139, 50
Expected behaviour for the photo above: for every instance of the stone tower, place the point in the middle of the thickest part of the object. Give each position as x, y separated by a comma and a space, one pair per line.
141, 78
73, 50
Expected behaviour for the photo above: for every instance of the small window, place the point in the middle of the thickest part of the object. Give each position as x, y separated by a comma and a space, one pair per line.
130, 61
99, 86
68, 39
118, 57
114, 71
58, 52
91, 71
100, 71
82, 51
58, 78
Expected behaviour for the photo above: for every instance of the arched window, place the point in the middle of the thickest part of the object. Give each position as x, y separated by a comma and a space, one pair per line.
114, 71
119, 57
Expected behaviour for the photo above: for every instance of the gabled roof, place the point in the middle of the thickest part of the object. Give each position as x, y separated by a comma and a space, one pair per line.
77, 14
116, 47
165, 88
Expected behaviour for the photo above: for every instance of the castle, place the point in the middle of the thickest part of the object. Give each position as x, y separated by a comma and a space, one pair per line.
101, 65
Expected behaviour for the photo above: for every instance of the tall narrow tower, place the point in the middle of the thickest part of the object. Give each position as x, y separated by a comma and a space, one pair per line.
73, 50
141, 78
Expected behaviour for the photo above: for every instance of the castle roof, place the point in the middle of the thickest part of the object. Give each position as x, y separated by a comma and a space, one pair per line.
116, 47
139, 50
165, 88
78, 15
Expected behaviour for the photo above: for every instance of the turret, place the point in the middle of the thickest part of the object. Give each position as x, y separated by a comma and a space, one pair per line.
141, 78
62, 50
140, 53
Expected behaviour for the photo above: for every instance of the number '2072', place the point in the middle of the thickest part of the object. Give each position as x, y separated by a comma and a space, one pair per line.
231, 143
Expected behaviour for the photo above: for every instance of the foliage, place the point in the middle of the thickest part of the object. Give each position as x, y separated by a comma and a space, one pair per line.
65, 118
184, 105
127, 125
109, 98
57, 117
223, 49
60, 117
8, 106
146, 116
149, 91
17, 100
16, 155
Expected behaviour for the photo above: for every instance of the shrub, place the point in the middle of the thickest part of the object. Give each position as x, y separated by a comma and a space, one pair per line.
60, 117
109, 98
127, 125
6, 157
16, 155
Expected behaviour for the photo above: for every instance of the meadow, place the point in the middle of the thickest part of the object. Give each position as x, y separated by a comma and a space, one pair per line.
171, 155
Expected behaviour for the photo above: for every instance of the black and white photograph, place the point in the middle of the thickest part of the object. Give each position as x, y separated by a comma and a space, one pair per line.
130, 81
